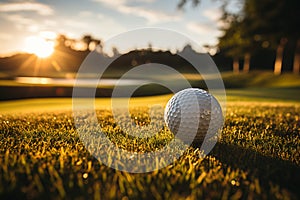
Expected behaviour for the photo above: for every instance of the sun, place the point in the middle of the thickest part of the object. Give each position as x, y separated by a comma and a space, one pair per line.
39, 46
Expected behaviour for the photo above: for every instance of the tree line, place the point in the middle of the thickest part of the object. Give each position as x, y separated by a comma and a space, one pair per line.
264, 28
89, 42
272, 25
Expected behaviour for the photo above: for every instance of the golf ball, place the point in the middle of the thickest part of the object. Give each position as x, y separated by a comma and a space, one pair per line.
193, 114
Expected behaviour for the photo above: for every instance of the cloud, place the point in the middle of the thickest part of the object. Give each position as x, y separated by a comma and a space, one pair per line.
22, 23
75, 23
30, 24
39, 8
143, 1
18, 19
94, 26
50, 23
213, 14
5, 36
112, 3
202, 28
152, 16
85, 13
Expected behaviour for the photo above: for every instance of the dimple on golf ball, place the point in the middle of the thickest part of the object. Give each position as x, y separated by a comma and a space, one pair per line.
192, 114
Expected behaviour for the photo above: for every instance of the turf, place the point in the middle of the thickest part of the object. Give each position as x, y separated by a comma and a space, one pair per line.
275, 95
257, 157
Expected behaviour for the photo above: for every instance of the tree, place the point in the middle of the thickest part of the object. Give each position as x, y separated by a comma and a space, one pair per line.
115, 51
275, 22
181, 4
64, 43
61, 40
236, 41
296, 67
97, 44
92, 43
272, 22
87, 39
230, 44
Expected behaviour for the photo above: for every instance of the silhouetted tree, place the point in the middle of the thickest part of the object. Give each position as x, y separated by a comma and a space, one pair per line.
87, 39
96, 44
181, 3
115, 51
296, 66
275, 22
268, 23
71, 43
64, 42
92, 43
61, 40
150, 46
236, 43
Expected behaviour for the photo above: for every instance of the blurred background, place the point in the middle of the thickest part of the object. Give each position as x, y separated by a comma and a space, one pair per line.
255, 44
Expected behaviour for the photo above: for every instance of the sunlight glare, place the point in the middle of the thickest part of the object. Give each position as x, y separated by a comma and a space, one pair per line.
39, 46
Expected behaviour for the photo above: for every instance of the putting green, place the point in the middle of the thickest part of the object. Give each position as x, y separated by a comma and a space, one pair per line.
282, 96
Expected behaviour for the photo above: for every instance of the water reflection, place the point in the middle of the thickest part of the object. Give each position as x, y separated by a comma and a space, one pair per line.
84, 82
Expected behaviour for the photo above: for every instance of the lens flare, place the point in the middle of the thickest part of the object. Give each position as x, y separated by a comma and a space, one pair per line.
39, 46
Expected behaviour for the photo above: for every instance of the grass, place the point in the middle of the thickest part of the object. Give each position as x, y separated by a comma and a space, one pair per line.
261, 79
264, 95
275, 95
257, 157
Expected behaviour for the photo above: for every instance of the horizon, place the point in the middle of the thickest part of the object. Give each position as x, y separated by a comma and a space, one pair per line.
27, 22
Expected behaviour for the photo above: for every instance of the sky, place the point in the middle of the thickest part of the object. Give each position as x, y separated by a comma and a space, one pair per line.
103, 19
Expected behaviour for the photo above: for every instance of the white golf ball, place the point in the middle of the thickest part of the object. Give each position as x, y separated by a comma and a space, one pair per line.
192, 114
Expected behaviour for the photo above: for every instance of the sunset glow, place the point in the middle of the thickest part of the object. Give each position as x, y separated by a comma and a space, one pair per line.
39, 46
